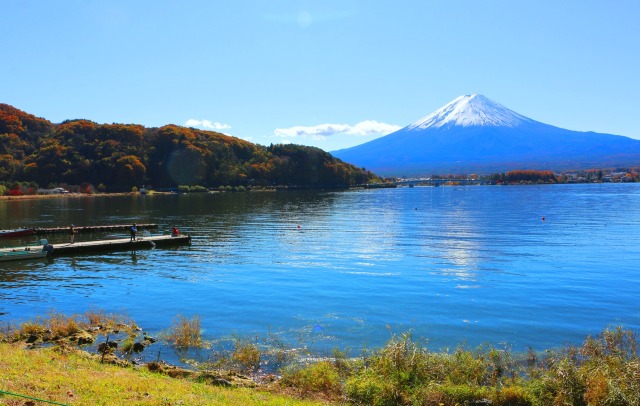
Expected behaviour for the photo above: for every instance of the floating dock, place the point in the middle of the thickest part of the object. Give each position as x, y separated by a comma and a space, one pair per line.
121, 244
94, 229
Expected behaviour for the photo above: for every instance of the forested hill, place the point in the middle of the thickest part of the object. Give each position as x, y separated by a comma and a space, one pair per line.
117, 157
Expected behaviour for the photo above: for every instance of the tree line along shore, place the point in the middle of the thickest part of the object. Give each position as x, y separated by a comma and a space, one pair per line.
117, 157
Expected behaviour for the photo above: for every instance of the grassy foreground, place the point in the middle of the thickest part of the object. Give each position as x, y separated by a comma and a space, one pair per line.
75, 379
42, 360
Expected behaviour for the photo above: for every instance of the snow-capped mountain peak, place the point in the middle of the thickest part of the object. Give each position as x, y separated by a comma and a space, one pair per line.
471, 110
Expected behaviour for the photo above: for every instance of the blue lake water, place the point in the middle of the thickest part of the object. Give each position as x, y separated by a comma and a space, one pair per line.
474, 264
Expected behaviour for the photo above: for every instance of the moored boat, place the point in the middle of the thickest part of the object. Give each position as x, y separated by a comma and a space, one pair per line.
21, 255
17, 232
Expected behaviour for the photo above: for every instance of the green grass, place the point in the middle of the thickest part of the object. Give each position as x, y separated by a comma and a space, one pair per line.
73, 378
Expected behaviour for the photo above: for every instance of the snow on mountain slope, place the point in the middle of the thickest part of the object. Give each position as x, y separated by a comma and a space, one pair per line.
471, 110
473, 134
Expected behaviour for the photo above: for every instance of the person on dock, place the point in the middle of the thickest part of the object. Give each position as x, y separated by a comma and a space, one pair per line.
134, 230
72, 233
175, 232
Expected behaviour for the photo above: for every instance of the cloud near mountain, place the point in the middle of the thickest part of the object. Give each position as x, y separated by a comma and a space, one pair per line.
322, 131
211, 125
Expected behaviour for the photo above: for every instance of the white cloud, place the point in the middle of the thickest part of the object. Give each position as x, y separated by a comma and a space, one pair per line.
212, 125
322, 131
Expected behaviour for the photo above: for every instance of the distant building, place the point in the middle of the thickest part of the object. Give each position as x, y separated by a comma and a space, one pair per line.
54, 191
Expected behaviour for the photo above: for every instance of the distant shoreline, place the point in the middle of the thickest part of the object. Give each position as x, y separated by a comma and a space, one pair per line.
67, 195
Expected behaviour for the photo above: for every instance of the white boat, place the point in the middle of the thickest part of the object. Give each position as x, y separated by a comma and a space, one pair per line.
21, 255
39, 250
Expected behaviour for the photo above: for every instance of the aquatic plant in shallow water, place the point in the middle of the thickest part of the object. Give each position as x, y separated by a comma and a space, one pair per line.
185, 333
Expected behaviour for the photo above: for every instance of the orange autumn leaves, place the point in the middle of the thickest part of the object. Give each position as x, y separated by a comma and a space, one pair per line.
120, 156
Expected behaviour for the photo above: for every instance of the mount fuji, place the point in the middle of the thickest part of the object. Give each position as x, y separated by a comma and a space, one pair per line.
475, 134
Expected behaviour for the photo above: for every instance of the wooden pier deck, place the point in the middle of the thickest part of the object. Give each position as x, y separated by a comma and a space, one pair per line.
93, 229
121, 244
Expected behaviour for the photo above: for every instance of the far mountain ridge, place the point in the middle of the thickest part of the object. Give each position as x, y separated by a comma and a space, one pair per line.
474, 134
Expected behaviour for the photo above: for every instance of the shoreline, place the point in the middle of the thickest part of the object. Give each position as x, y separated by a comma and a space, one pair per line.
78, 195
267, 189
82, 352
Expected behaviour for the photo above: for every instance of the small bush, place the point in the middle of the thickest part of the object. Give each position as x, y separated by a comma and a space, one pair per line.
512, 396
61, 325
368, 389
185, 332
464, 367
321, 377
30, 328
246, 355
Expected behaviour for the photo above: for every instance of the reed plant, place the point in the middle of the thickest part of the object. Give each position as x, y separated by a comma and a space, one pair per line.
185, 333
104, 320
61, 325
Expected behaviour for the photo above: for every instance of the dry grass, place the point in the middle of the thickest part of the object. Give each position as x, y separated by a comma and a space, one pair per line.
108, 321
61, 325
56, 325
53, 326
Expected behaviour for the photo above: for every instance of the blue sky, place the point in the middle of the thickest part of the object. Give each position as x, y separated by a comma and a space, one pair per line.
331, 74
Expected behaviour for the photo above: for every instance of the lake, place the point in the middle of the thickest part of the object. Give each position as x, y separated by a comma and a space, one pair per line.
523, 266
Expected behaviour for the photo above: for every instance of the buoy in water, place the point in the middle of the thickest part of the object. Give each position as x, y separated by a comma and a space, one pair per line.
542, 218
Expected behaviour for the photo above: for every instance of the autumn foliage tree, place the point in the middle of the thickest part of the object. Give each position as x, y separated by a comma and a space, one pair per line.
530, 176
119, 156
129, 171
